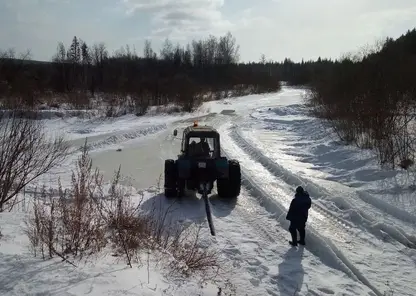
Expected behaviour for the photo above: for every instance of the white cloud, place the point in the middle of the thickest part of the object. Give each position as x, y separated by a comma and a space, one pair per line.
179, 19
277, 28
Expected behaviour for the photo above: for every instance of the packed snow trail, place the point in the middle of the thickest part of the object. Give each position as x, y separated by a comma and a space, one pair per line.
319, 245
305, 145
363, 250
364, 215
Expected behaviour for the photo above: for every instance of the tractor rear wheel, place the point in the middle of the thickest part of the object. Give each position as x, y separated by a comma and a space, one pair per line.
170, 178
230, 187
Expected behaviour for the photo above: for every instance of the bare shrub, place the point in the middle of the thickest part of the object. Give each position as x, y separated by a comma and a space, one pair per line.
368, 98
26, 152
129, 231
191, 256
118, 104
181, 242
84, 219
68, 223
77, 100
82, 228
142, 103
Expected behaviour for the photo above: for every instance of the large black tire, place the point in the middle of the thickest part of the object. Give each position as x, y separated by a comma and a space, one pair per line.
230, 188
170, 178
234, 178
181, 187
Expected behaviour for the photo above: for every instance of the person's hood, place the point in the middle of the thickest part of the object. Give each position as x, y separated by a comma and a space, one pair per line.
304, 194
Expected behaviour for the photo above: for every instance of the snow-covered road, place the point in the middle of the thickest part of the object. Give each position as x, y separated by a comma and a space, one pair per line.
361, 239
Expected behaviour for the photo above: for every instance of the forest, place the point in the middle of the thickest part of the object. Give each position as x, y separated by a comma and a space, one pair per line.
185, 75
367, 97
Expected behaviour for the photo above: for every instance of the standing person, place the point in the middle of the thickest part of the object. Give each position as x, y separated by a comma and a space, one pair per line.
298, 215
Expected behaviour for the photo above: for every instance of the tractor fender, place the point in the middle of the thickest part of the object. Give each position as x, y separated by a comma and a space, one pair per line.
184, 168
222, 168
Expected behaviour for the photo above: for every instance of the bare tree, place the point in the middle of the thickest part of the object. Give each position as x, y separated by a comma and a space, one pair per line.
99, 53
25, 154
148, 51
61, 54
228, 50
167, 51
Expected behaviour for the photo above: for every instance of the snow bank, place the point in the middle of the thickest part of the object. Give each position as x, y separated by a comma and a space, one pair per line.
101, 274
341, 201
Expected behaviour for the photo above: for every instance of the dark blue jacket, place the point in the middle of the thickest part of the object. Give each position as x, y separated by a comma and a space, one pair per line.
299, 208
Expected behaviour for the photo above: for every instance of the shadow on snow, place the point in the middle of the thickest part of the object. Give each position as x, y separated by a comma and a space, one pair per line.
291, 272
189, 208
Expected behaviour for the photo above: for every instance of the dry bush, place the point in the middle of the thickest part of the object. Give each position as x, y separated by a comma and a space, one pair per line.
84, 219
129, 232
68, 224
77, 99
26, 152
118, 104
191, 256
142, 103
180, 242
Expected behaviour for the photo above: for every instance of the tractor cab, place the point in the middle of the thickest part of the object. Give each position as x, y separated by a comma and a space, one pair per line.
200, 142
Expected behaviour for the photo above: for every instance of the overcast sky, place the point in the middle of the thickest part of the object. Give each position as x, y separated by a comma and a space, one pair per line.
278, 28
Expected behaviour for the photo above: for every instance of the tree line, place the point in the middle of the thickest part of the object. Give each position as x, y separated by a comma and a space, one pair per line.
368, 97
178, 74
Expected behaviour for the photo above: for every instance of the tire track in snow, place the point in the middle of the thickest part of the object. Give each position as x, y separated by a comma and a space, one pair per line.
259, 241
243, 206
318, 245
315, 190
248, 213
324, 236
383, 206
267, 235
247, 182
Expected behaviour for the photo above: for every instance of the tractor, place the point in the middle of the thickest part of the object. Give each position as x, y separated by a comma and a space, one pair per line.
200, 162
199, 165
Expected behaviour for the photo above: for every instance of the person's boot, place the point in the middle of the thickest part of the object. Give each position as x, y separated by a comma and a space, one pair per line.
294, 241
301, 240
